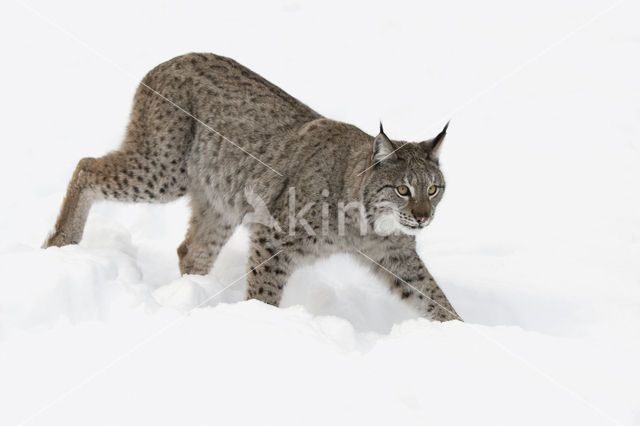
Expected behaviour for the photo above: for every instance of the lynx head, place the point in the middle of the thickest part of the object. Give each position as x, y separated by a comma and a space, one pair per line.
405, 184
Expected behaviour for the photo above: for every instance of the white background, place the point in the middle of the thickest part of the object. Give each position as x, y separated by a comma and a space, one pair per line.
536, 242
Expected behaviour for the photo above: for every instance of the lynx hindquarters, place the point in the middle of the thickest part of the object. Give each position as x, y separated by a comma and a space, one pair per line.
150, 166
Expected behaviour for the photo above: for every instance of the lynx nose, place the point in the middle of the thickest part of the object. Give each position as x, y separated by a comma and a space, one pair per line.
421, 218
422, 215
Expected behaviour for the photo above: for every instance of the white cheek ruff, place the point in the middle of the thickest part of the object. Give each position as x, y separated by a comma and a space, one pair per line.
385, 224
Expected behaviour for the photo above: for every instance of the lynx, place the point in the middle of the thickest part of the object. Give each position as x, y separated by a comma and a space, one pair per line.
203, 125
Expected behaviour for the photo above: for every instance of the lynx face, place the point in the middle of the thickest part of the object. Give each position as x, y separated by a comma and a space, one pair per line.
405, 185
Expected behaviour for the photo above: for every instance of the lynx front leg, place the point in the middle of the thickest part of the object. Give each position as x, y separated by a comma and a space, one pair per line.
412, 282
269, 267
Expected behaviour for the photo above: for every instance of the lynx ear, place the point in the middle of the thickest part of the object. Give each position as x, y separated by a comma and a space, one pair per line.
383, 149
432, 147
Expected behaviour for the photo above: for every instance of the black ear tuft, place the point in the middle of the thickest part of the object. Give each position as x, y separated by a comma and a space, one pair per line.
441, 135
432, 147
383, 149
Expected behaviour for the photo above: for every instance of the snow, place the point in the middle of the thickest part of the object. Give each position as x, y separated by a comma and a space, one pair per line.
536, 242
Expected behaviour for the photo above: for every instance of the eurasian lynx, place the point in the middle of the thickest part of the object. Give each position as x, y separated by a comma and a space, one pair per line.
205, 126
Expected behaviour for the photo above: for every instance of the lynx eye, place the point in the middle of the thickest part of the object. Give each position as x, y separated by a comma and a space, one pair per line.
403, 190
433, 190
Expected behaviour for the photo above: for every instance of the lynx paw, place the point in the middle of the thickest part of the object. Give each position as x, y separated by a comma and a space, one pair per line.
57, 239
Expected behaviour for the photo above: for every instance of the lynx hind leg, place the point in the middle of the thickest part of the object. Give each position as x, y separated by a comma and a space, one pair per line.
269, 267
207, 234
149, 166
119, 176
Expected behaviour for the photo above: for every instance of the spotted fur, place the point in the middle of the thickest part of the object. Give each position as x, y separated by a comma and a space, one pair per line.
205, 126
